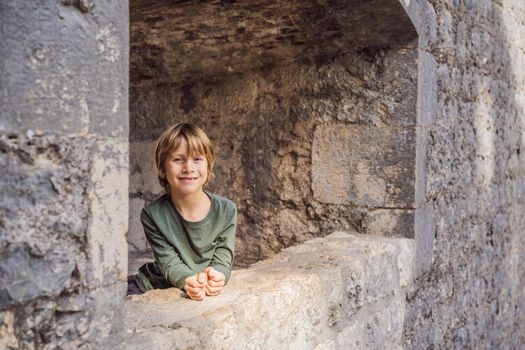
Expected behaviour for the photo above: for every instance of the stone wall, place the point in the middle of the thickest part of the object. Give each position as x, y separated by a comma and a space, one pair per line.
63, 126
470, 193
305, 146
63, 155
344, 291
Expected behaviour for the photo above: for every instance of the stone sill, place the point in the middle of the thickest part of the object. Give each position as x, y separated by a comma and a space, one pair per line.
341, 291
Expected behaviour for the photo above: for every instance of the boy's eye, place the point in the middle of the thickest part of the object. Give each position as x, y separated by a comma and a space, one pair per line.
178, 160
198, 159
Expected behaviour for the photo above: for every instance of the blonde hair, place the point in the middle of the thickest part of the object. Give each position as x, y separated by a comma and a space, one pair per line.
170, 139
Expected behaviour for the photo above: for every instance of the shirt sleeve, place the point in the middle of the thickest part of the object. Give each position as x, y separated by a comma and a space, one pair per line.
222, 259
170, 264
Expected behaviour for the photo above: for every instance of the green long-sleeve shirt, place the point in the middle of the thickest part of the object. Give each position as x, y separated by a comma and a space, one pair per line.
183, 248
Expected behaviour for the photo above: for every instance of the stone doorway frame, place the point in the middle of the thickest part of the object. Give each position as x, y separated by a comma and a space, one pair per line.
420, 220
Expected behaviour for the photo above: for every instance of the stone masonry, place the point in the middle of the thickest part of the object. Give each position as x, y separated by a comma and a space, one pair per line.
64, 159
64, 182
344, 291
320, 138
470, 176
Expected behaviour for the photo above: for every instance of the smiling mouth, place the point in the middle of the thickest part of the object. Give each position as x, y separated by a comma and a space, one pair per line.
187, 178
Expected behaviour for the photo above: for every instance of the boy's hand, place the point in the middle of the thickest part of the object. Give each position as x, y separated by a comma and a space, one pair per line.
215, 281
195, 286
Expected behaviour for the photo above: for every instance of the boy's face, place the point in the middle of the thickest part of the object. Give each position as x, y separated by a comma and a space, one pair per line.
185, 173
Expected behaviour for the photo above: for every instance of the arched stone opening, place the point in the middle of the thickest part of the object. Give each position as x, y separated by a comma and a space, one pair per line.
311, 107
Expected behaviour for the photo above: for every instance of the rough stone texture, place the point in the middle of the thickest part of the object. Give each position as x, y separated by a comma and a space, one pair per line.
335, 292
40, 237
470, 292
390, 222
363, 166
90, 320
53, 62
267, 121
208, 40
108, 222
63, 95
64, 185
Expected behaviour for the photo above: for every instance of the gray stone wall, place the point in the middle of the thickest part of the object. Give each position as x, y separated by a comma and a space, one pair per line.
471, 176
63, 155
63, 151
343, 291
304, 147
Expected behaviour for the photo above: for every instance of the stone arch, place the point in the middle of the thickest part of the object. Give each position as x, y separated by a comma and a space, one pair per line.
311, 105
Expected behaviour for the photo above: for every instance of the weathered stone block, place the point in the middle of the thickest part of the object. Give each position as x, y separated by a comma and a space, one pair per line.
45, 177
400, 85
62, 80
24, 276
106, 328
422, 136
308, 296
427, 88
388, 222
359, 165
85, 320
108, 223
64, 86
384, 327
42, 215
424, 226
381, 279
406, 261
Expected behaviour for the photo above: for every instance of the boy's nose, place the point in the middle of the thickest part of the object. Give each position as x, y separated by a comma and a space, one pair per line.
187, 166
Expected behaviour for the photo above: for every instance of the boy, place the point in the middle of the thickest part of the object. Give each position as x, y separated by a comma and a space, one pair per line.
191, 231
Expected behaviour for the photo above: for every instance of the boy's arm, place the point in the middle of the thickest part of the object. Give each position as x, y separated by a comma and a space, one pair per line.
223, 257
168, 260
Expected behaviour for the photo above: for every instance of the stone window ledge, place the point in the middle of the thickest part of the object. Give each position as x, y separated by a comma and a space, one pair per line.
341, 291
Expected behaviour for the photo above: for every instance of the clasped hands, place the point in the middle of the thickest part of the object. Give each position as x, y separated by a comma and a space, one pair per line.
209, 282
